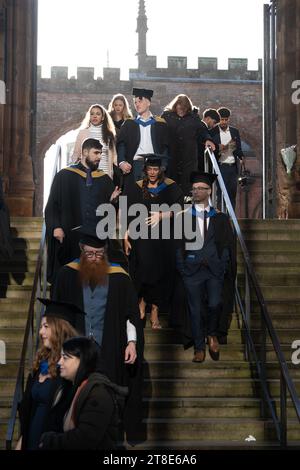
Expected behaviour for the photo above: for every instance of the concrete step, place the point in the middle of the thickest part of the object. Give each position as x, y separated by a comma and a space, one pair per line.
21, 221
271, 235
235, 429
16, 292
221, 369
270, 268
27, 233
274, 279
272, 246
247, 225
280, 321
289, 306
9, 306
219, 387
205, 408
287, 257
235, 336
13, 351
10, 319
12, 334
9, 370
229, 352
203, 445
275, 292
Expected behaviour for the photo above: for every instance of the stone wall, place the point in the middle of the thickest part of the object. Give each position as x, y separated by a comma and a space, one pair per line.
62, 103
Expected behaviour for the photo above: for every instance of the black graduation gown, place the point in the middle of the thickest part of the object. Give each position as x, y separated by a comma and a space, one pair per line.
121, 306
54, 414
179, 316
152, 261
184, 134
71, 203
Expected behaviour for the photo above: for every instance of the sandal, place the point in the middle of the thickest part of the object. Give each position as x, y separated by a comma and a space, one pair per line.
155, 324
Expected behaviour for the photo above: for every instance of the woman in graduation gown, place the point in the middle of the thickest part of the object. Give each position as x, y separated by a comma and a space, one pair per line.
152, 258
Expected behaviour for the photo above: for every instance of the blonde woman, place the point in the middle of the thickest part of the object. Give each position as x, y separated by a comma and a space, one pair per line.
98, 124
119, 110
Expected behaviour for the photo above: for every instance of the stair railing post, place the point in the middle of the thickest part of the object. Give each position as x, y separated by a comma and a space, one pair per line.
283, 412
247, 312
263, 356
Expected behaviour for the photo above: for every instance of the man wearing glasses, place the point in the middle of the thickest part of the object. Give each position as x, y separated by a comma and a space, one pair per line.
102, 288
202, 261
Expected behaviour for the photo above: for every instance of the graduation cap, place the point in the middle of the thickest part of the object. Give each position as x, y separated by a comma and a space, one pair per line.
88, 236
64, 310
224, 112
153, 159
142, 93
198, 177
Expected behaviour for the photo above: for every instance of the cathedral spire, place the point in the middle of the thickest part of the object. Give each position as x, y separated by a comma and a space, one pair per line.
142, 29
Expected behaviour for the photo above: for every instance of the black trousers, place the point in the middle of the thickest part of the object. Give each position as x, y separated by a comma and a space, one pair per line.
229, 174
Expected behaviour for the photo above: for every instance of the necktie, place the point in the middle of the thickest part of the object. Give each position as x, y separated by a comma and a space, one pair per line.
89, 178
205, 225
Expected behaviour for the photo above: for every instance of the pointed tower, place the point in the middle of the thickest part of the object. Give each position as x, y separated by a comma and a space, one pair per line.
142, 29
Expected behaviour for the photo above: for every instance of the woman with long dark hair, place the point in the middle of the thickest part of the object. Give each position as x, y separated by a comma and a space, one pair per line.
98, 124
91, 422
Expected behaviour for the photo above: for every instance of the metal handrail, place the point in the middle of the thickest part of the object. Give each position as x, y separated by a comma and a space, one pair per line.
286, 381
27, 347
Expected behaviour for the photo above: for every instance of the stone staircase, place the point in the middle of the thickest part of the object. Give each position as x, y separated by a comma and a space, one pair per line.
16, 280
216, 404
186, 405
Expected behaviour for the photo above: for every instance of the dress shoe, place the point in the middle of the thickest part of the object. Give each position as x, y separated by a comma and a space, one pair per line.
199, 356
213, 348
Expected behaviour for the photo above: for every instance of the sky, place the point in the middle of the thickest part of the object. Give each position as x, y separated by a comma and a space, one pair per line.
97, 33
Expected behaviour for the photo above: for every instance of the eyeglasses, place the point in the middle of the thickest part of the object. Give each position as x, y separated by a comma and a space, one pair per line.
91, 254
200, 189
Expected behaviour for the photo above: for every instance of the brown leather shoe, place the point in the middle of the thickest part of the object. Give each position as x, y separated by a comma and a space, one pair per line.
199, 356
213, 348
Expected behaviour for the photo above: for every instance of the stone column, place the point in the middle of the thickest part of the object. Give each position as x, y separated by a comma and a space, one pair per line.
19, 110
288, 113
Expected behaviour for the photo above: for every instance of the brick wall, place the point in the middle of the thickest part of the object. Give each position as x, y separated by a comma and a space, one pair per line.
62, 103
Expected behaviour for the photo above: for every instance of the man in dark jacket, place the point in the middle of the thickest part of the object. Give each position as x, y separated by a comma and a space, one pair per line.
230, 154
202, 261
209, 120
141, 135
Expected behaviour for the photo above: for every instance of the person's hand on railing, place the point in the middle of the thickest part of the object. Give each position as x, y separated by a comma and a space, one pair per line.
210, 143
59, 234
